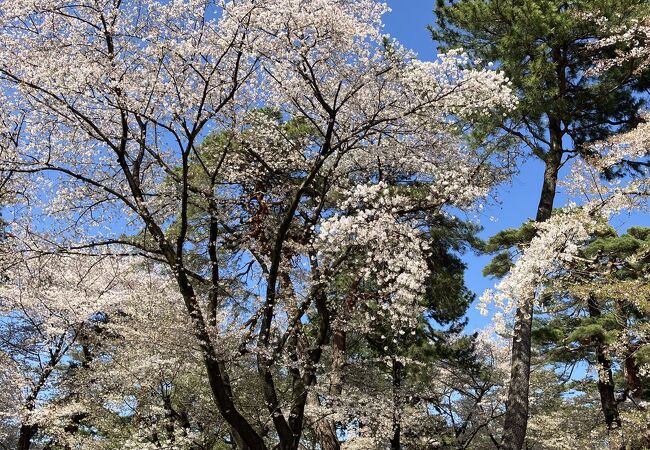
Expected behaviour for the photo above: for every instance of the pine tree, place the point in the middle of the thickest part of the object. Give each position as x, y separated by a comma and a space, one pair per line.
595, 312
543, 46
598, 314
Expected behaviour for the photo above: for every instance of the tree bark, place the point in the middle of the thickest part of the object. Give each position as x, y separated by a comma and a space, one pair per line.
289, 432
339, 342
217, 377
395, 441
327, 435
640, 441
516, 417
27, 432
632, 379
324, 428
606, 390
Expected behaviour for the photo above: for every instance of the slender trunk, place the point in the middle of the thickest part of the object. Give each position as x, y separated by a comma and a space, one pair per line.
606, 390
516, 417
169, 418
308, 379
239, 441
637, 440
641, 439
605, 378
395, 441
632, 379
339, 342
289, 432
213, 303
27, 432
217, 377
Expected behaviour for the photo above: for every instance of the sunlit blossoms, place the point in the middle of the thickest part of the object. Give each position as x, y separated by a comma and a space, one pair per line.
242, 224
246, 153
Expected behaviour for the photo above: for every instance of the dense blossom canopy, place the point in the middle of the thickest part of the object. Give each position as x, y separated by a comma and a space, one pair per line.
235, 224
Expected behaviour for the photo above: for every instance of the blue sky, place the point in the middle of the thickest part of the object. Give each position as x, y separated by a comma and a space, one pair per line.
517, 201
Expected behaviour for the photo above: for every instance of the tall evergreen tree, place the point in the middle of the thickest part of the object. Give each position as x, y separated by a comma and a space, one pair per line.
543, 46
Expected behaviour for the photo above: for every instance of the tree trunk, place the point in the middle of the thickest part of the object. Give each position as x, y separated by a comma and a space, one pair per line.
606, 390
242, 430
27, 432
324, 428
239, 441
640, 441
632, 379
339, 342
327, 435
516, 417
395, 441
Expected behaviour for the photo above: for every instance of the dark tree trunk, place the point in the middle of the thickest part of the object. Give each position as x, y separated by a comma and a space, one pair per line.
339, 343
27, 432
633, 389
213, 302
244, 433
516, 417
395, 442
632, 379
238, 440
605, 379
606, 390
217, 376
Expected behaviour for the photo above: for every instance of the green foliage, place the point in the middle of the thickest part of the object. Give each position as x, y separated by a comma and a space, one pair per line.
502, 243
598, 311
640, 233
499, 266
543, 47
642, 355
511, 237
447, 298
615, 246
589, 332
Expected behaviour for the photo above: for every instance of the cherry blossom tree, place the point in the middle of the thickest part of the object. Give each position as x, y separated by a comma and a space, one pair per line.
253, 151
49, 307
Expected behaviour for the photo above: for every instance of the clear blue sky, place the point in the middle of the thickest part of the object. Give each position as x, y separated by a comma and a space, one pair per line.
518, 200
